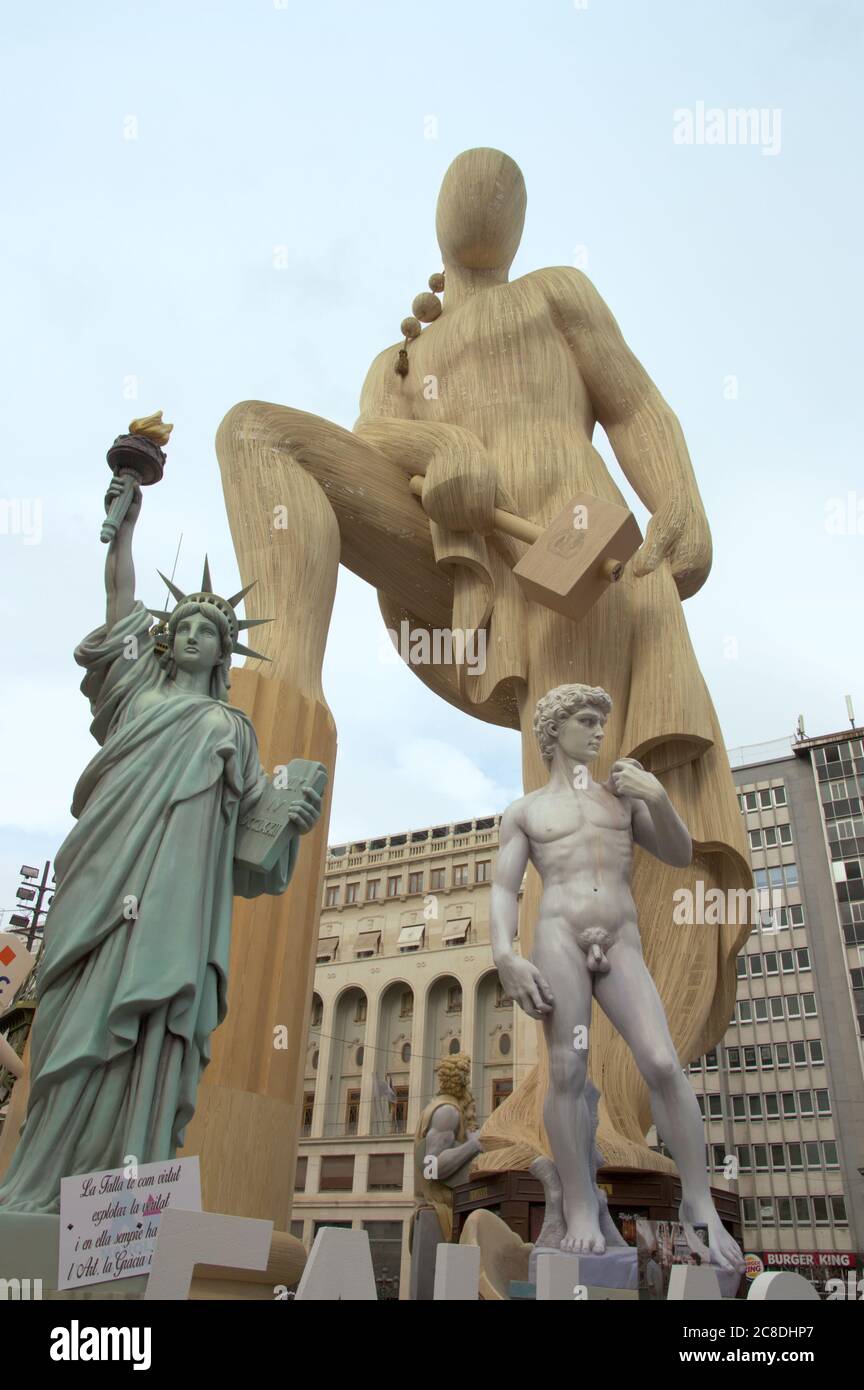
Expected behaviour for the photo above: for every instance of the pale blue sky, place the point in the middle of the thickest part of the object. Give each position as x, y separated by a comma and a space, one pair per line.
306, 127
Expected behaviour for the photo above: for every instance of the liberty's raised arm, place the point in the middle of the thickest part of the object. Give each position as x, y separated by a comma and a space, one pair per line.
119, 569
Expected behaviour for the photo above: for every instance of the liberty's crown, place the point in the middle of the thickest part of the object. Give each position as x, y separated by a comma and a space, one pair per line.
226, 607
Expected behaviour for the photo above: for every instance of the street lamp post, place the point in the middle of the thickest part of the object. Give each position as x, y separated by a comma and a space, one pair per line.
31, 894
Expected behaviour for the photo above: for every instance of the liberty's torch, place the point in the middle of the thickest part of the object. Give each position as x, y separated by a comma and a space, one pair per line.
137, 458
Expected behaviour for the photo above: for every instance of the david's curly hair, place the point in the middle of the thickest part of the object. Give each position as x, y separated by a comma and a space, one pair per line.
557, 706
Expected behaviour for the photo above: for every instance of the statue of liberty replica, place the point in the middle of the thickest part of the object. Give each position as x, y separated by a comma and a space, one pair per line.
133, 976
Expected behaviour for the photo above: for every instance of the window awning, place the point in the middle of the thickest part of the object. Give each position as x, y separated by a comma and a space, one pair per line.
410, 936
368, 940
327, 947
457, 930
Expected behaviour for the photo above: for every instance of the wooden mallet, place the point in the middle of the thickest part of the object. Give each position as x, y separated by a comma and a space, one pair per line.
574, 559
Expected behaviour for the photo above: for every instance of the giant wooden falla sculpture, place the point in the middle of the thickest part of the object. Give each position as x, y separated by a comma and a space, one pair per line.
450, 496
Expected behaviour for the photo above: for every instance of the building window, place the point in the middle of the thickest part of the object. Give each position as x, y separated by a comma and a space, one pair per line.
415, 881
782, 1055
373, 888
394, 885
745, 1162
760, 1157
749, 1205
755, 839
406, 1004
838, 1211
787, 1099
504, 1044
399, 1110
352, 1111
300, 1175
337, 1174
809, 1003
802, 956
482, 871
756, 967
711, 1060
738, 1108
386, 1172
779, 796
358, 1057
750, 801
829, 1152
351, 890
823, 1103
745, 1011
308, 1108
740, 967
778, 1158
360, 1009
502, 1087
820, 1211
460, 875
733, 1058
454, 1046
816, 1057
436, 879
776, 1003
796, 1159
755, 1103
715, 1107
332, 896
766, 1056
502, 1000
315, 1055
812, 1154
454, 999
317, 1012
772, 1108
405, 1054
760, 1010
805, 1105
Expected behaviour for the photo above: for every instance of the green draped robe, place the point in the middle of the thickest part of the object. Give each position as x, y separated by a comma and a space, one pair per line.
133, 978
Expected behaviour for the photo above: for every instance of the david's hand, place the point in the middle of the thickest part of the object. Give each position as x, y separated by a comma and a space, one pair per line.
524, 983
629, 778
305, 810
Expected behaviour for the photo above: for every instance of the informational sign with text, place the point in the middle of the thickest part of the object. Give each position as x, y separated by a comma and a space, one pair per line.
109, 1221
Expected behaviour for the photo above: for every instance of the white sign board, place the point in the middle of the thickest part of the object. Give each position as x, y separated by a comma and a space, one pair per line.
16, 962
109, 1220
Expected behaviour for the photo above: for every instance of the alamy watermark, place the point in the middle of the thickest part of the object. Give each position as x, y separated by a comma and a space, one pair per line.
734, 125
436, 646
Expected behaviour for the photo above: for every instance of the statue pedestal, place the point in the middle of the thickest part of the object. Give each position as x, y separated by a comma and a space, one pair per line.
426, 1238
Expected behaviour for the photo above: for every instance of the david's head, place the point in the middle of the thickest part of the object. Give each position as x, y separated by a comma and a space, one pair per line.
572, 718
481, 211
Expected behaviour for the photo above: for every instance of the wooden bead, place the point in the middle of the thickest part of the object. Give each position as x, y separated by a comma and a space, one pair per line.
411, 328
427, 307
436, 282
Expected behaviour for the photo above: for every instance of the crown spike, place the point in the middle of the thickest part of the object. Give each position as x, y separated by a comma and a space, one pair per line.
172, 588
160, 613
247, 651
243, 623
206, 581
237, 597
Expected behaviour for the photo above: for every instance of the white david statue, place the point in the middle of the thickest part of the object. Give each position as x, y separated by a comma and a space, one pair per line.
579, 834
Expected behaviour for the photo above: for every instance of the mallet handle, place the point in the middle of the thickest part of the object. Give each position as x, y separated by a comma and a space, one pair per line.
504, 521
